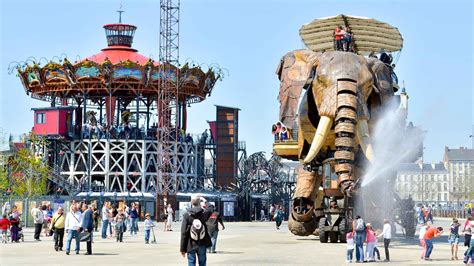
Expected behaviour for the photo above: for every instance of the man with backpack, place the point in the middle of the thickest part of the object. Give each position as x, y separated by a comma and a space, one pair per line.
194, 235
358, 227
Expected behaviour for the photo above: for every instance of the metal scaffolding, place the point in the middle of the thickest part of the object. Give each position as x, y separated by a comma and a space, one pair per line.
167, 96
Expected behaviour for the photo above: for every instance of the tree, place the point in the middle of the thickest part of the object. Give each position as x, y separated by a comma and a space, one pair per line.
29, 174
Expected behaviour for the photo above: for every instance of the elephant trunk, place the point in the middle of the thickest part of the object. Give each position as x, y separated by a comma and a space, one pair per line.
345, 129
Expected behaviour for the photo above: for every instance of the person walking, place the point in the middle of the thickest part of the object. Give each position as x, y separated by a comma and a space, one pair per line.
387, 236
213, 227
73, 226
194, 237
38, 219
453, 238
120, 225
133, 219
105, 219
278, 216
57, 225
429, 235
468, 230
262, 215
88, 226
148, 225
170, 212
358, 226
271, 212
95, 216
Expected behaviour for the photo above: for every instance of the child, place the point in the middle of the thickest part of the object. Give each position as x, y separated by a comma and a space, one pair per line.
350, 246
4, 226
148, 225
119, 225
371, 239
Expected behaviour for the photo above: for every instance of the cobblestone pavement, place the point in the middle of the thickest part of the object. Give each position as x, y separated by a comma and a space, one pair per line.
242, 243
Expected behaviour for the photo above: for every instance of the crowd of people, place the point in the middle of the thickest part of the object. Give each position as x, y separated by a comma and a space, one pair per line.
364, 233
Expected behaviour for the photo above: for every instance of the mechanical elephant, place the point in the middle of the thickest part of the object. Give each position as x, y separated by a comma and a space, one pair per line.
334, 99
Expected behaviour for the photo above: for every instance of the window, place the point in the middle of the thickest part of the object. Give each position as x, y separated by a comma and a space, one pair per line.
41, 118
445, 186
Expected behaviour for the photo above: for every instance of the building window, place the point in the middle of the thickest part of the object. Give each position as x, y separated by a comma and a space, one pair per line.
41, 118
445, 186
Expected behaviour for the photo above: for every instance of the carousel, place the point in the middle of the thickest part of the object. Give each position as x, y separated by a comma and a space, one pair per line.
100, 130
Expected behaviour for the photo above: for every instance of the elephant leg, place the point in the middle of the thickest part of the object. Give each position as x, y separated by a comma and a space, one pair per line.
302, 220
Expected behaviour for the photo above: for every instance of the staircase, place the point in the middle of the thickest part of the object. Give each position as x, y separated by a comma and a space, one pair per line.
55, 177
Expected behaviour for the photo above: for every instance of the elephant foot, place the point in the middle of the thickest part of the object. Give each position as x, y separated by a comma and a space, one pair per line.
347, 187
302, 228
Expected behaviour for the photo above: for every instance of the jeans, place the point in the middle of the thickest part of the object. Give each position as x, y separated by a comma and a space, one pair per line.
386, 242
70, 235
58, 238
349, 254
429, 247
213, 236
105, 224
133, 225
370, 251
359, 240
147, 235
201, 254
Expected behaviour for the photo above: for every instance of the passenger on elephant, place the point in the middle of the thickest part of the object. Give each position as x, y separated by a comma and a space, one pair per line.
347, 39
283, 134
276, 137
338, 35
333, 205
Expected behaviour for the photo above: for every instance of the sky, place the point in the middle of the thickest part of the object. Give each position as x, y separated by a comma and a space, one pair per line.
248, 38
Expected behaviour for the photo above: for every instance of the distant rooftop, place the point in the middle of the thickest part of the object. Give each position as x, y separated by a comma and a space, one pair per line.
461, 154
427, 167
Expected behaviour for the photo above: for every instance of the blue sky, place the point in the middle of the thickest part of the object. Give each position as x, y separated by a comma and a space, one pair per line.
248, 39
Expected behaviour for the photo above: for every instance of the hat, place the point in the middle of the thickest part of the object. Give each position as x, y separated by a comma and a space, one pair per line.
147, 215
368, 225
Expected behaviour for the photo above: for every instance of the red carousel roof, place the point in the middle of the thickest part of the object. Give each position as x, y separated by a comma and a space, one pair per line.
117, 54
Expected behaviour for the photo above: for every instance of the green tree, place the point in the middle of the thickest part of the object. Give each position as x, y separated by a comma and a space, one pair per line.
29, 174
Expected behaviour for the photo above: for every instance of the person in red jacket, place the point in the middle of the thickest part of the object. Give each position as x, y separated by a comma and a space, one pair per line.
4, 226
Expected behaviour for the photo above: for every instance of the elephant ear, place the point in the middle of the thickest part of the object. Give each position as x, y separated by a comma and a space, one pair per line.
382, 75
294, 71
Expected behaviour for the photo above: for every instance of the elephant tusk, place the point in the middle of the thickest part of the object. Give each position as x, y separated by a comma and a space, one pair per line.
364, 139
322, 131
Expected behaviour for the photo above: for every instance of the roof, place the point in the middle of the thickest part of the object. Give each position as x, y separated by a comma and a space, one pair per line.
117, 54
369, 35
461, 154
427, 168
53, 108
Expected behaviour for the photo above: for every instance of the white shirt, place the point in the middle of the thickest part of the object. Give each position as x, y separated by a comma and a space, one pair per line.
350, 243
387, 231
38, 216
422, 232
105, 213
73, 221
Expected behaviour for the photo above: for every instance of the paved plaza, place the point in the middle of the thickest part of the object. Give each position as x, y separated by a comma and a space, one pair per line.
242, 243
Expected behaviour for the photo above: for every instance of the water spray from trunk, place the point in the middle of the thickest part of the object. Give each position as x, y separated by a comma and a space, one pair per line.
393, 144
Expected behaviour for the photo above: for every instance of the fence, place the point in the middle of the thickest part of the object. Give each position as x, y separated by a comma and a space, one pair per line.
451, 213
